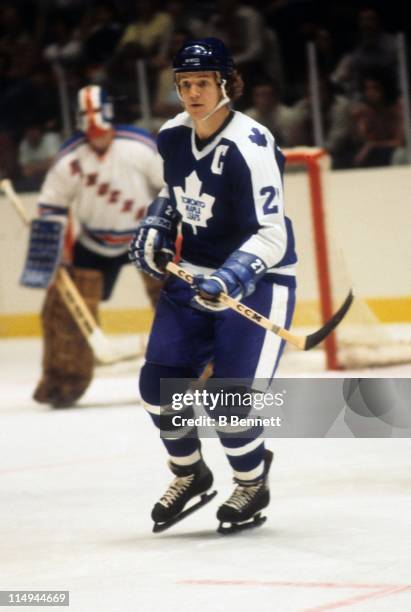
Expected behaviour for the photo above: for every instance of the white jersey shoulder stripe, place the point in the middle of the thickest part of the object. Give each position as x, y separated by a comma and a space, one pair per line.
129, 135
70, 145
182, 119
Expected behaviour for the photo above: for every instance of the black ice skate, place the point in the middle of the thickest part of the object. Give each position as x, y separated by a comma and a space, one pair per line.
191, 481
243, 509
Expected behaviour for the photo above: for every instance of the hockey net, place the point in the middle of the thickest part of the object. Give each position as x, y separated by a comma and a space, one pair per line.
325, 273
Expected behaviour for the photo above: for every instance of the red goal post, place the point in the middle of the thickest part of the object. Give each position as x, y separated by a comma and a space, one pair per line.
310, 158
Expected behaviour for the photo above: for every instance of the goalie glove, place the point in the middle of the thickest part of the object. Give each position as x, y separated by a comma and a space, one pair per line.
237, 277
152, 246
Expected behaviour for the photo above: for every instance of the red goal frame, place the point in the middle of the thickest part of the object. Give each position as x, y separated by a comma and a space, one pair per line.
311, 158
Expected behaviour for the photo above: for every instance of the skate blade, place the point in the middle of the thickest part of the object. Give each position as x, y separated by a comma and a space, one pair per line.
204, 499
228, 528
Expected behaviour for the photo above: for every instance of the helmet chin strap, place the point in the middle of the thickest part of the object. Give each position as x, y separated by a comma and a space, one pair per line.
224, 100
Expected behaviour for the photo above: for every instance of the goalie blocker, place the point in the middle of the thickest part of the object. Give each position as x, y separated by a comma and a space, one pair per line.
44, 253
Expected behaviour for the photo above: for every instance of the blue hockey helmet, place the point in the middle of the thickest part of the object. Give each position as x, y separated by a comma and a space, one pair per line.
95, 111
203, 55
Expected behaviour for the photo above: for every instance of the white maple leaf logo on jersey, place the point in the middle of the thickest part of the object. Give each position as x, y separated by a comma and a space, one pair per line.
194, 206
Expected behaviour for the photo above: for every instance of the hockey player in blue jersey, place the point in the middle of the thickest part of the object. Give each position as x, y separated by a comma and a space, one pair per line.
223, 175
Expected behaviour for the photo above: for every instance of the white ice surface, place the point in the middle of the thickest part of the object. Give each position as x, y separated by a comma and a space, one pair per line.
77, 487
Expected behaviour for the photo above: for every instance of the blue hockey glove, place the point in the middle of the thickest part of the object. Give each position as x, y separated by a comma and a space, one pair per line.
237, 277
152, 246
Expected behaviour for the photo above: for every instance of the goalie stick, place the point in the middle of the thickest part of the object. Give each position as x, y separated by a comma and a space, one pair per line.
96, 339
302, 342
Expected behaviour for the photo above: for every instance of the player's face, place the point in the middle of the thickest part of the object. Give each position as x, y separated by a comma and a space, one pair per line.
200, 92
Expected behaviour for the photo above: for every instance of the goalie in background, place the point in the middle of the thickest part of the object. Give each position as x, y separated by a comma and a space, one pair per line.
100, 184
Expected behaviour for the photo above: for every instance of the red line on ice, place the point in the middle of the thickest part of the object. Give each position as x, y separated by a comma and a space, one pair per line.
377, 590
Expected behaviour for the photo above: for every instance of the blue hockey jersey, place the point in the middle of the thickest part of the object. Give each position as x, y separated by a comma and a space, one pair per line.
228, 193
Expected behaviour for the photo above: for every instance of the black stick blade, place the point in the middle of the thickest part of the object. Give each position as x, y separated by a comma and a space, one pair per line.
318, 336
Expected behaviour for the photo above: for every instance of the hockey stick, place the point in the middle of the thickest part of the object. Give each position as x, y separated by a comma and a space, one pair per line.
302, 342
96, 339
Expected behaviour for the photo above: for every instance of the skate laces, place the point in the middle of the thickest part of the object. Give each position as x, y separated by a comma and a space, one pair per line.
176, 488
242, 495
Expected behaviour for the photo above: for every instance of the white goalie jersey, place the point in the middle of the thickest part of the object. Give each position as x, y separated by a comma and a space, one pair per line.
107, 193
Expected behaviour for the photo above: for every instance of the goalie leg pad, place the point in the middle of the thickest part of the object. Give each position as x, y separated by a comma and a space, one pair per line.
67, 358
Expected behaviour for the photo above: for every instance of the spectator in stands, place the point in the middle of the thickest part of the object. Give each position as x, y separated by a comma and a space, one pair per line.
268, 110
34, 98
375, 48
149, 36
66, 46
5, 81
71, 10
335, 109
35, 156
293, 23
16, 43
44, 96
325, 50
101, 32
166, 101
11, 28
377, 124
255, 47
8, 156
183, 18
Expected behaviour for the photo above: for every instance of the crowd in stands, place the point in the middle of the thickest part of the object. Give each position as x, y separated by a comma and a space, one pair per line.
99, 41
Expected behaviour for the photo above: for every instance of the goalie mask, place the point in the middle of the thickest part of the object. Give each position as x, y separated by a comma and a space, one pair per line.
95, 111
